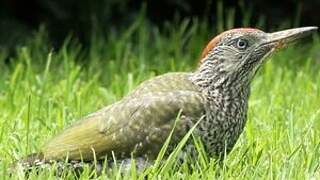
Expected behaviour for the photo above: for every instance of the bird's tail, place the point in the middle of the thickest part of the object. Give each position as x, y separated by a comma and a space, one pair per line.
37, 163
35, 160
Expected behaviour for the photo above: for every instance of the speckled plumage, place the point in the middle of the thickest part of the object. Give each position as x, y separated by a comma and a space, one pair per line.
139, 124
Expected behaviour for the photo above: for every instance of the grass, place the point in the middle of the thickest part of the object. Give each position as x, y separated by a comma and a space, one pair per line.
43, 90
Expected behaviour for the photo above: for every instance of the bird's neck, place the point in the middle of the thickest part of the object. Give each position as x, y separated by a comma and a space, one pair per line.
224, 93
226, 108
213, 84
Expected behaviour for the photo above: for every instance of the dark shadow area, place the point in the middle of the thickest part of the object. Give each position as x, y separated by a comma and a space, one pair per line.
18, 19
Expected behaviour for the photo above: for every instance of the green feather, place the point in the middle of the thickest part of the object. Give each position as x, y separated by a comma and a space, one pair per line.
139, 123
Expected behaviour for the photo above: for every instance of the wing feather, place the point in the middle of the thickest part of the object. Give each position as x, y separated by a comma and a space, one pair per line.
139, 124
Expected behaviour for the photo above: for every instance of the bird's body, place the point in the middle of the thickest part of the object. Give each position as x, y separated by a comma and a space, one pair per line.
138, 125
134, 116
130, 125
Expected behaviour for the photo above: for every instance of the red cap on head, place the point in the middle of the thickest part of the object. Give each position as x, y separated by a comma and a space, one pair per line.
216, 40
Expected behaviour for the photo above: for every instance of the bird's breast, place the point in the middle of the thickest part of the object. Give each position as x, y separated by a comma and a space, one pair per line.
225, 120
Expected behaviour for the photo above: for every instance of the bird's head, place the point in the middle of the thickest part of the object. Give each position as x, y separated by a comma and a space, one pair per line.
238, 53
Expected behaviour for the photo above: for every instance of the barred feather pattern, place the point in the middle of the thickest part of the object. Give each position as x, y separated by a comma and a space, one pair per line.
227, 103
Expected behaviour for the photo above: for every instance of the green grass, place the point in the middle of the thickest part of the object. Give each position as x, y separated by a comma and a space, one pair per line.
43, 90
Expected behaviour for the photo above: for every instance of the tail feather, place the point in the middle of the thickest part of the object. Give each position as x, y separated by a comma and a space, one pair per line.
36, 162
32, 160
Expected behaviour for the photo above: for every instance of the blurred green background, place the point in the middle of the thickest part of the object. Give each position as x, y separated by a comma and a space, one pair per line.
61, 60
19, 19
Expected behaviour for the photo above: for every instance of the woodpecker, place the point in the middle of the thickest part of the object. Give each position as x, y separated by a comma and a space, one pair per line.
215, 95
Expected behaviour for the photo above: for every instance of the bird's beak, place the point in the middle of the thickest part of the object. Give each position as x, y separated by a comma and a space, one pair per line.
282, 38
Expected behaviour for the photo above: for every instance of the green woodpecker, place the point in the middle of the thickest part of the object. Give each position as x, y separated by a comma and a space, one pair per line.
138, 125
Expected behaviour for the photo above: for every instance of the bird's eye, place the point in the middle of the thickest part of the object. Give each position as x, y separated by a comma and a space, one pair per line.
242, 44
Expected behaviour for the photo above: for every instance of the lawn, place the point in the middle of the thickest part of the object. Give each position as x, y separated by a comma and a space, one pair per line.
45, 89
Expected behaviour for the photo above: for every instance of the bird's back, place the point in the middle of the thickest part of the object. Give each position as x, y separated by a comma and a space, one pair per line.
139, 122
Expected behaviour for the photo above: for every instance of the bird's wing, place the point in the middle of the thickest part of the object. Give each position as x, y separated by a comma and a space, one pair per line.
165, 83
139, 124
